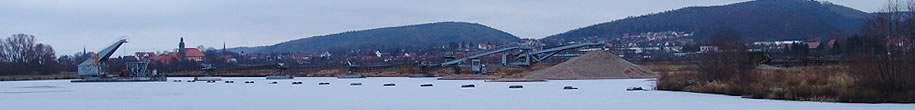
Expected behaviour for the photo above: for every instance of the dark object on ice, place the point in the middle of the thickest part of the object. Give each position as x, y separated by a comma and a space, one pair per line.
324, 83
516, 86
296, 82
211, 81
425, 85
230, 81
569, 87
635, 89
355, 84
468, 86
191, 81
389, 84
247, 82
274, 82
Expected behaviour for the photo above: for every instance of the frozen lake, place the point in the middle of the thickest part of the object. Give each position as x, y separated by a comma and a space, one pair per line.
406, 95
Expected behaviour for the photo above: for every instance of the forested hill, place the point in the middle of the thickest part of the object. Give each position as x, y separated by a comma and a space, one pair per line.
420, 35
752, 20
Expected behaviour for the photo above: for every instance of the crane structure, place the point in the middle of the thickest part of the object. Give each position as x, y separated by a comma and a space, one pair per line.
95, 66
94, 69
526, 57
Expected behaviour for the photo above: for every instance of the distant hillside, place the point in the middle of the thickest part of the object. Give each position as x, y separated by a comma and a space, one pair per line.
752, 20
421, 35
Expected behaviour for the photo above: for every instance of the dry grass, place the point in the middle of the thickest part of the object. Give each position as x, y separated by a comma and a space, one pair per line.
809, 83
815, 83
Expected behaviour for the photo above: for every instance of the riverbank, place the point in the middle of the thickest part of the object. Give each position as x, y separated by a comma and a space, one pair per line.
63, 75
828, 83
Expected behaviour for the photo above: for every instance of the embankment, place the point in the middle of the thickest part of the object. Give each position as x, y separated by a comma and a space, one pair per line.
828, 83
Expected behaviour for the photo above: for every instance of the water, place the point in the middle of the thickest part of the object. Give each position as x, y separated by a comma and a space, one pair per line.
406, 95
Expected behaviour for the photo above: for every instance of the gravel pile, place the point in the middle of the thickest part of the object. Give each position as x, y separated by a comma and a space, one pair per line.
593, 65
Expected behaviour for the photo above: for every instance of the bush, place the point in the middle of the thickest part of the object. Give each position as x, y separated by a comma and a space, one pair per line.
675, 82
887, 74
730, 61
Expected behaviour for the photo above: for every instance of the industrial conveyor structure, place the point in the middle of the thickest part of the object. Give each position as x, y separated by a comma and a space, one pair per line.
526, 57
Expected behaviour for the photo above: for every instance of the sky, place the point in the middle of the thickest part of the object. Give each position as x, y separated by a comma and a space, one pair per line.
156, 25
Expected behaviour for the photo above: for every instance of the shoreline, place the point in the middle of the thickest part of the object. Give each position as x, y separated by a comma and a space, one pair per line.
782, 99
484, 78
38, 77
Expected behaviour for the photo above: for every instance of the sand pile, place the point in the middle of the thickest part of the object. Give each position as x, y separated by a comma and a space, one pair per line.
593, 65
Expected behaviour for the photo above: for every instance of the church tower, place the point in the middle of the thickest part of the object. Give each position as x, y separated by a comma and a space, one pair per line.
181, 48
223, 47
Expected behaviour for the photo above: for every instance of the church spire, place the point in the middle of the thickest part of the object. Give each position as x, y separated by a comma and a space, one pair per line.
181, 44
181, 48
223, 47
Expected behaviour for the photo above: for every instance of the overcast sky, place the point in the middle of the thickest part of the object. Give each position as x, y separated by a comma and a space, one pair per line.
156, 25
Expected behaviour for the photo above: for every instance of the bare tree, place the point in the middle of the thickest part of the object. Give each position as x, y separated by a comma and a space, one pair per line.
46, 59
731, 59
909, 27
880, 63
3, 54
21, 55
4, 59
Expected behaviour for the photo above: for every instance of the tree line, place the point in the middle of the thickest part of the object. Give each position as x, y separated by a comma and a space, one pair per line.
883, 58
880, 61
19, 54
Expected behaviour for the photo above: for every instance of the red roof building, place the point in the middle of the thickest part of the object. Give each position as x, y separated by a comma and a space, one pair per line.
193, 54
812, 44
166, 59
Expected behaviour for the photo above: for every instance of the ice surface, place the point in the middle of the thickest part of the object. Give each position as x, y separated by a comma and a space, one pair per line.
407, 95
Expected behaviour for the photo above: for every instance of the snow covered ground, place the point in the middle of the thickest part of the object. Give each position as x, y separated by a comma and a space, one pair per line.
406, 95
